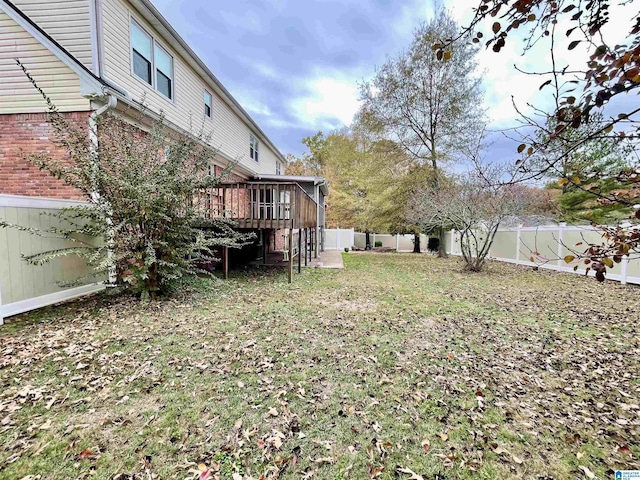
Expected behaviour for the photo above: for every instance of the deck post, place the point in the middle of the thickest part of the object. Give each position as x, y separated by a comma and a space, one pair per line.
306, 245
225, 262
300, 250
312, 244
290, 267
264, 247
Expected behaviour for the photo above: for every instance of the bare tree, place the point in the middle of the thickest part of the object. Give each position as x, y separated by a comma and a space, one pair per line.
475, 205
429, 103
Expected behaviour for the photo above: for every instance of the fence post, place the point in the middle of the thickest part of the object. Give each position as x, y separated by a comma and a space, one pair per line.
374, 241
453, 240
397, 242
561, 226
338, 239
353, 238
623, 274
518, 240
1, 316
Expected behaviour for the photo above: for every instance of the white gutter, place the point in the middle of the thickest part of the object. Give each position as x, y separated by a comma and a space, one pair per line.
112, 102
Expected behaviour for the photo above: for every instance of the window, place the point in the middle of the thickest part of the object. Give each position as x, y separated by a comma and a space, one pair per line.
141, 53
278, 168
253, 147
207, 104
150, 62
164, 71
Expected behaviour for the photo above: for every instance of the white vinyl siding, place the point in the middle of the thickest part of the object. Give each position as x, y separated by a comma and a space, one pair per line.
17, 94
66, 21
229, 132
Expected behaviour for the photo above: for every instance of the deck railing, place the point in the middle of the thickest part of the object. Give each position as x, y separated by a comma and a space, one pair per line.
259, 204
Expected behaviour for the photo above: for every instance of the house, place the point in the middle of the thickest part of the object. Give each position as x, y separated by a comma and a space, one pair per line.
91, 56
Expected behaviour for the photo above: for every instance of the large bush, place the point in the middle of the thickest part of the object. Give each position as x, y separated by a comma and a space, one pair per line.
143, 190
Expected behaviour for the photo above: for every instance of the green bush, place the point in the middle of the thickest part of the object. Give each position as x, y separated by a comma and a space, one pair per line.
141, 191
378, 244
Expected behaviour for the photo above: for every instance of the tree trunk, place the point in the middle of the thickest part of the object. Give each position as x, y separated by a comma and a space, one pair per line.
367, 245
442, 247
416, 243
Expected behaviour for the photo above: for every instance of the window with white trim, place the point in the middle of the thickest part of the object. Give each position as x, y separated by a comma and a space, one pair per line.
141, 56
150, 62
208, 102
164, 71
278, 168
253, 147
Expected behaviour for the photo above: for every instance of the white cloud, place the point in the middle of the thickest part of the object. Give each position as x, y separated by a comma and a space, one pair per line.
252, 105
502, 80
324, 101
330, 102
411, 15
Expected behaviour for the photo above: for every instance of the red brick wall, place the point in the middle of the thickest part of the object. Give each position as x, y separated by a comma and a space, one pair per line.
26, 133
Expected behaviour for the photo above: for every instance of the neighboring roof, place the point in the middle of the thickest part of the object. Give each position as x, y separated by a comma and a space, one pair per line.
320, 181
177, 42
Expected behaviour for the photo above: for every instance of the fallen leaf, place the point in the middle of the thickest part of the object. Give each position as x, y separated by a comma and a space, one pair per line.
626, 450
46, 425
86, 453
426, 445
271, 413
408, 471
587, 472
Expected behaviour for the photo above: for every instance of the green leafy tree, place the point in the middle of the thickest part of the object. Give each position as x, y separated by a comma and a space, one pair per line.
368, 176
313, 161
586, 172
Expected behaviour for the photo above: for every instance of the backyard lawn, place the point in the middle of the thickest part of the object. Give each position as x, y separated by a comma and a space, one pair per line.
398, 367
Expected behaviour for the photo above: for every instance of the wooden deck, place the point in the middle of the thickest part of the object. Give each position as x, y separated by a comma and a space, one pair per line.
260, 205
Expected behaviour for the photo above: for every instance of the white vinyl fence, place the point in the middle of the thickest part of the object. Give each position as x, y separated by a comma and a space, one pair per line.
548, 246
25, 287
339, 239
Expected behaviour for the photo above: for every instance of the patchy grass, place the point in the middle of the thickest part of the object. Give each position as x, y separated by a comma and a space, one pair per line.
399, 366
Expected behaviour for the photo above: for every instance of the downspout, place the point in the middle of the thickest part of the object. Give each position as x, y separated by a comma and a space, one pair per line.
112, 102
97, 34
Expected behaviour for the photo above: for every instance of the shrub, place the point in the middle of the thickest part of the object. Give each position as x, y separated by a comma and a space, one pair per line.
140, 191
378, 244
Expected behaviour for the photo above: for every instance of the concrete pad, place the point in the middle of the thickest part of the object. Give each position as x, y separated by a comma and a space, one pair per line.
328, 259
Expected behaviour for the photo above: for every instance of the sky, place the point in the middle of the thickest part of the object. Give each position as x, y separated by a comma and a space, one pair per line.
295, 65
